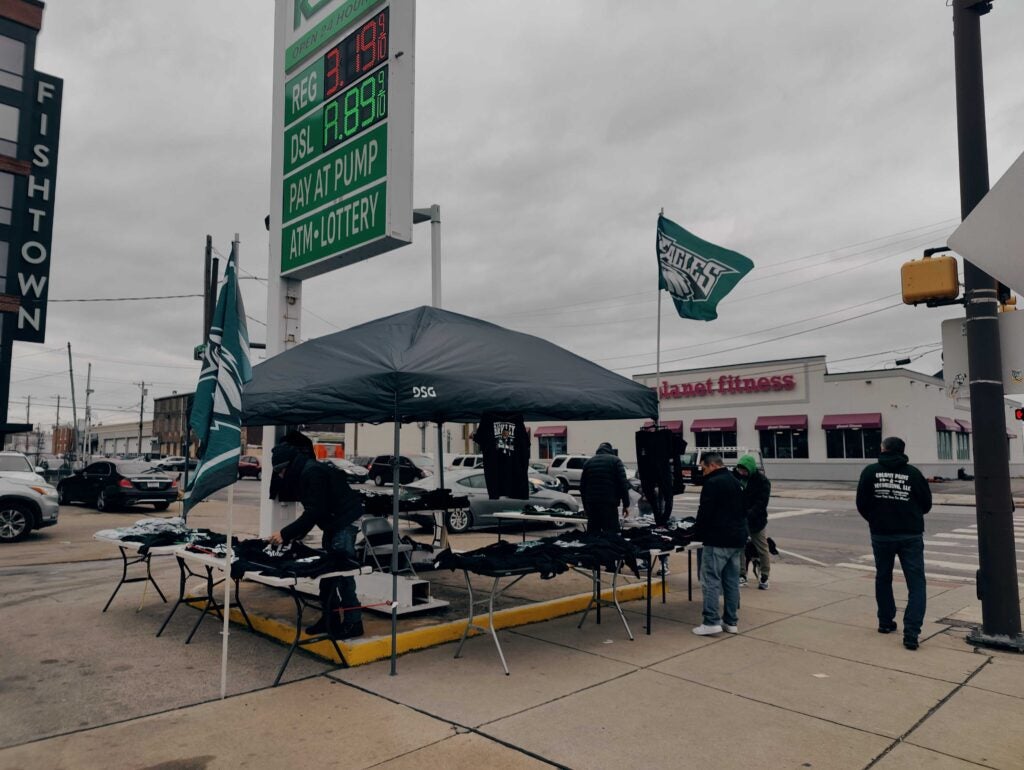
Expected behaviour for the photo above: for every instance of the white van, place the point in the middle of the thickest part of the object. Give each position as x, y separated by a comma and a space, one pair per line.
463, 462
690, 468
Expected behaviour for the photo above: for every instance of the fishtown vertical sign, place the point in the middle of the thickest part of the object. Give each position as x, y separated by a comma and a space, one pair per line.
34, 212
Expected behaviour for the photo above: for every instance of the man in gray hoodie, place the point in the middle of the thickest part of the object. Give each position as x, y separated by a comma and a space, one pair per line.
893, 496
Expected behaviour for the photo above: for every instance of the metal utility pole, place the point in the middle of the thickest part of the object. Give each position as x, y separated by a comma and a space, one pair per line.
87, 440
28, 411
74, 407
142, 407
208, 276
997, 576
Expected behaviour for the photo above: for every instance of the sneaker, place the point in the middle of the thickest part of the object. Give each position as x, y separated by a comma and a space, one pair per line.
910, 642
763, 585
743, 580
348, 631
705, 630
666, 571
886, 628
730, 629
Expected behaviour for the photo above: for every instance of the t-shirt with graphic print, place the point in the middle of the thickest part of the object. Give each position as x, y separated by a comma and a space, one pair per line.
506, 449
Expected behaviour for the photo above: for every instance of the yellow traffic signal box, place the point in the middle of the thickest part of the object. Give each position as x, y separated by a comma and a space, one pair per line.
931, 278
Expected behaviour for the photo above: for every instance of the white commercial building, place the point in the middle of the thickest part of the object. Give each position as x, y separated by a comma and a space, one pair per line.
808, 424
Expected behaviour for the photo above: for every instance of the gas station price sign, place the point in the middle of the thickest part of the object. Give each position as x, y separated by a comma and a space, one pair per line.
345, 163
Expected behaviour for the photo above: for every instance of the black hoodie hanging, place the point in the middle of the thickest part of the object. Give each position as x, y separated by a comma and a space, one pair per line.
506, 449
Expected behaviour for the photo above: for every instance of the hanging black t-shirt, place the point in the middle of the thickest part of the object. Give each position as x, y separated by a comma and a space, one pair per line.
506, 450
657, 455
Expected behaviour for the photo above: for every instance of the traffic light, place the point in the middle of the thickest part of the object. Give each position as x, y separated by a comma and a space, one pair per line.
931, 279
1018, 413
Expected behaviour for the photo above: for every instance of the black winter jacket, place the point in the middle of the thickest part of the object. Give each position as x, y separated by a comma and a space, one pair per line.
327, 501
893, 496
721, 516
756, 493
603, 481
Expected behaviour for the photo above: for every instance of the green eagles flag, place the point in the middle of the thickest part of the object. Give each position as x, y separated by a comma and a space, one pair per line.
696, 273
217, 408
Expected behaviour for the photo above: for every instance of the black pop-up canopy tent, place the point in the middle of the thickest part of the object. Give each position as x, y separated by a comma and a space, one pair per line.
428, 364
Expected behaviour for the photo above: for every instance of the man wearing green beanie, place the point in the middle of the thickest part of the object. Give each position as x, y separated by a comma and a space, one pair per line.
756, 491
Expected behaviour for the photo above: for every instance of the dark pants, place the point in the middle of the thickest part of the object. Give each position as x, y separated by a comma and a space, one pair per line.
336, 593
602, 517
910, 549
661, 505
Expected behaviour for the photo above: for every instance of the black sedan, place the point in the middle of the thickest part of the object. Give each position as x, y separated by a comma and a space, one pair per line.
112, 484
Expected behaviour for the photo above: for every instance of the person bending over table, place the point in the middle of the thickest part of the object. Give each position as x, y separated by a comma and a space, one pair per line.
602, 485
329, 503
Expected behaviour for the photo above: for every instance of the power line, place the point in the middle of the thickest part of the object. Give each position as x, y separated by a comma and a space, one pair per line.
773, 339
127, 299
759, 331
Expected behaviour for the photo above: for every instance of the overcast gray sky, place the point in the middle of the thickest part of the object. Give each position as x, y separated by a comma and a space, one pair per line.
818, 139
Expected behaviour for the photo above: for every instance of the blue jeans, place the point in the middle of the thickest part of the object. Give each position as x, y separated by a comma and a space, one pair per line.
720, 570
910, 549
344, 542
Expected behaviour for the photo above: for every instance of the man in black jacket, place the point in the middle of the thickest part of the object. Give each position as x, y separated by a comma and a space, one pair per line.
757, 490
722, 528
329, 503
602, 485
893, 497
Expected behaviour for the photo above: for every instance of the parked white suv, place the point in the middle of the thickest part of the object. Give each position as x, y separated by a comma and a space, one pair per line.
568, 469
25, 506
15, 465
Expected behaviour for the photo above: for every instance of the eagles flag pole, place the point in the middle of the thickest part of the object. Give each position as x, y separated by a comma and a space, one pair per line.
216, 417
657, 365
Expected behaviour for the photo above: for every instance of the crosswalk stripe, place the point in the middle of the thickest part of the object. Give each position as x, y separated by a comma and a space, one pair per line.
794, 512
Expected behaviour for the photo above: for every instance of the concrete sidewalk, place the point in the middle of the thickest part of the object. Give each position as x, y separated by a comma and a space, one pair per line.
807, 683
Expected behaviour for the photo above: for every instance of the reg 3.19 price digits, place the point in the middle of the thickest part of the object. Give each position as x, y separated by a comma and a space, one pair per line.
357, 54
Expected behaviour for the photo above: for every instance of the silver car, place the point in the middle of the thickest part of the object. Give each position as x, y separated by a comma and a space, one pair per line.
25, 506
471, 484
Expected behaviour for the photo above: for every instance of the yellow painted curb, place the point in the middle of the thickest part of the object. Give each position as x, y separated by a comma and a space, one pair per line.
379, 647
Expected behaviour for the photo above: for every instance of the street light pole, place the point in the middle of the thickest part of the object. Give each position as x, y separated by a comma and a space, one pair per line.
997, 576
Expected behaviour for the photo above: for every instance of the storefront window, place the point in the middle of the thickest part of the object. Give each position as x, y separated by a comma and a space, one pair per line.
963, 446
853, 443
549, 446
945, 443
711, 439
784, 444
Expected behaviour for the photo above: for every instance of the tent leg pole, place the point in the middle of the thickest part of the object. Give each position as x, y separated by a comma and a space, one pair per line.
394, 542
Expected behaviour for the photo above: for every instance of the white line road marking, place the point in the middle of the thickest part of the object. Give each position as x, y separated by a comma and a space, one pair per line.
947, 543
928, 575
795, 512
805, 558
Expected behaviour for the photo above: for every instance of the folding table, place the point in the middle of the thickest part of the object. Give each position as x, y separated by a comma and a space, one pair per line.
131, 546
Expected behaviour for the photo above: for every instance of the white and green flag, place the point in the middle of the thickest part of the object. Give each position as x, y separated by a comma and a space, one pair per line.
696, 273
217, 408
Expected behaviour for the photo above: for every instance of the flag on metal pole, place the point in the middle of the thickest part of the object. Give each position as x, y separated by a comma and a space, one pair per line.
216, 412
696, 273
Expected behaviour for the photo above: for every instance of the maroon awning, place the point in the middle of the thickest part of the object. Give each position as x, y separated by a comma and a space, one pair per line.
715, 423
946, 423
551, 430
673, 425
965, 425
840, 421
782, 422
